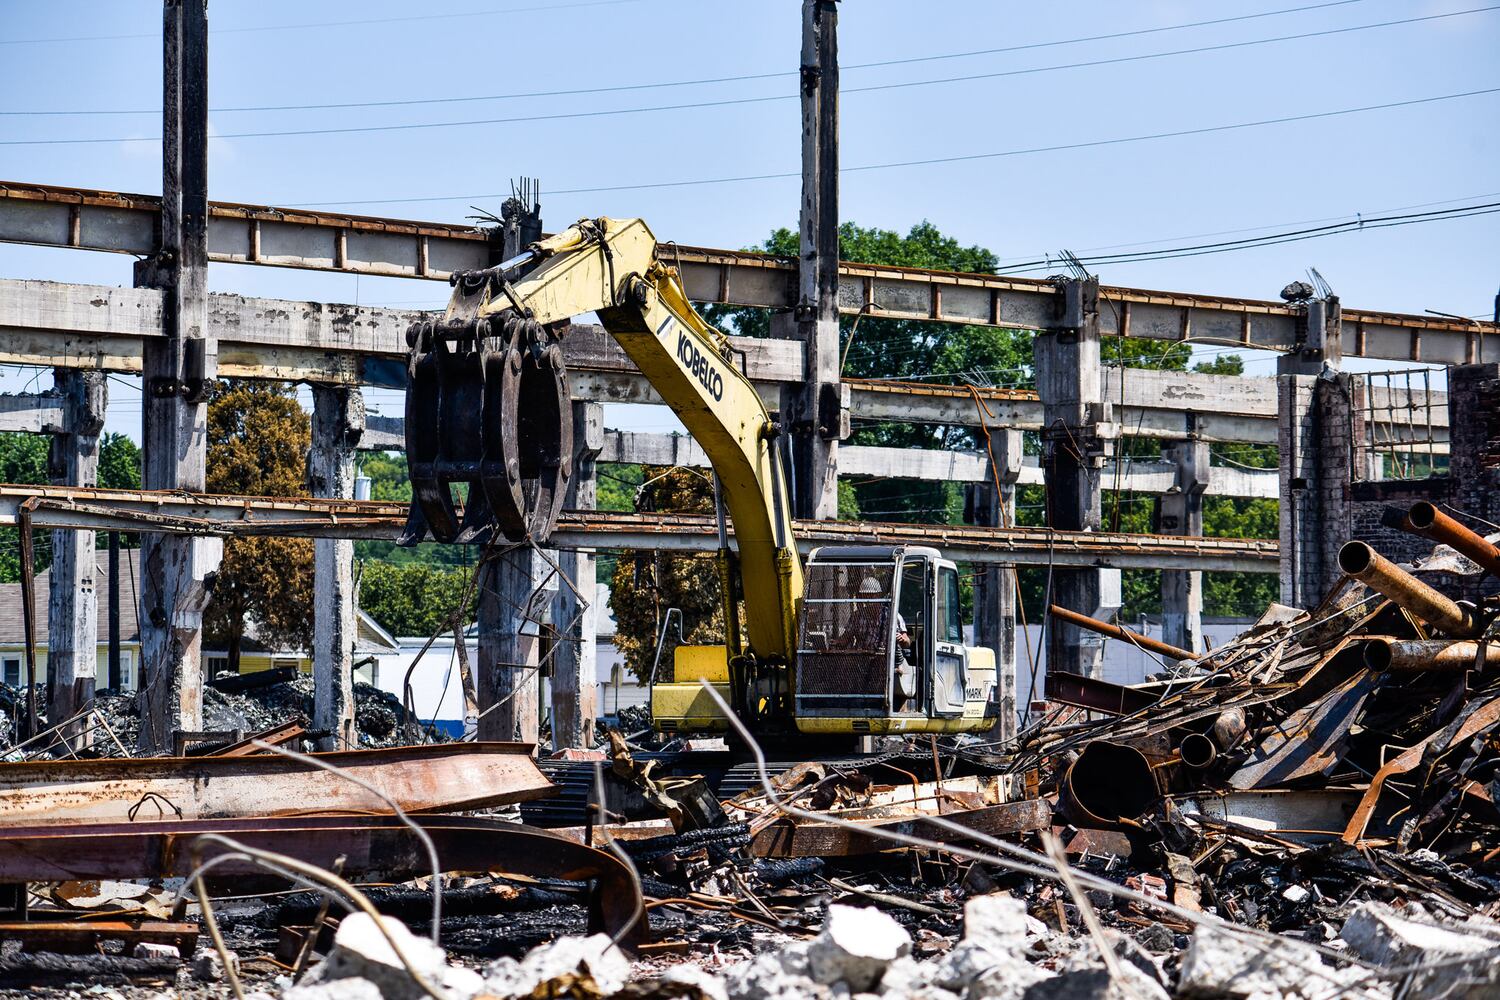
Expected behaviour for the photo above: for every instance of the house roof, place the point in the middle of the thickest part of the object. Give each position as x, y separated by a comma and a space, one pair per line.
12, 624
370, 638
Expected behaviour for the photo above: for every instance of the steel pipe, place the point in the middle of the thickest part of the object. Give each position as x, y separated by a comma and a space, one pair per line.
1426, 520
1380, 574
1197, 751
1107, 787
1437, 655
1123, 634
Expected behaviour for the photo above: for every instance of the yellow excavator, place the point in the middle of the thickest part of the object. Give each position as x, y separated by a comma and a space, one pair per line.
859, 640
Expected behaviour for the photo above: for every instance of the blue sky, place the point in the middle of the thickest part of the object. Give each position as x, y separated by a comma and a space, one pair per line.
1171, 190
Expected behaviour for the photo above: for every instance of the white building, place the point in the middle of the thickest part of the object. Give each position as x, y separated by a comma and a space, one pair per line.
437, 691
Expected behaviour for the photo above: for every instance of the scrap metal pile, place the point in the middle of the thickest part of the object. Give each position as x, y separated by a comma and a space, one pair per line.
1306, 812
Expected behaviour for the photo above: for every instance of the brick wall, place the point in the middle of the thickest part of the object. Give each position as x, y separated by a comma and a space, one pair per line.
1471, 486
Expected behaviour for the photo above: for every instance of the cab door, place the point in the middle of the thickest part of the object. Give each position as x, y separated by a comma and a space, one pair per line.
950, 673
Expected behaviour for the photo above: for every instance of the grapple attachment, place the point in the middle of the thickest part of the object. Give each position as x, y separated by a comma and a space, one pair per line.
488, 406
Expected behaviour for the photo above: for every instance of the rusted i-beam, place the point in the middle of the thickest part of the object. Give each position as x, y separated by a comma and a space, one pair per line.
1125, 634
1379, 573
1426, 520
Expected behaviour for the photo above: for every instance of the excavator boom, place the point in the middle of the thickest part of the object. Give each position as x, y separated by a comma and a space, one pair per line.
488, 406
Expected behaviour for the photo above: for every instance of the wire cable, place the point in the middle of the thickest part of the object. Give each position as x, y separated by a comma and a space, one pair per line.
928, 161
651, 86
307, 26
731, 102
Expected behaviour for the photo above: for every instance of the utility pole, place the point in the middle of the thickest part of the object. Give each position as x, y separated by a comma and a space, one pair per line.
821, 414
178, 368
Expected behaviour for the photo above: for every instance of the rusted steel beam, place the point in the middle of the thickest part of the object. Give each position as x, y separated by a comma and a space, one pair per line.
421, 779
1426, 520
809, 840
1483, 717
276, 736
1429, 654
1099, 696
84, 936
371, 846
1123, 634
135, 510
1378, 573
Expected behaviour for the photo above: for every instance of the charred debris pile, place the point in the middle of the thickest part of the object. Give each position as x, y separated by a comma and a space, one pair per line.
1308, 811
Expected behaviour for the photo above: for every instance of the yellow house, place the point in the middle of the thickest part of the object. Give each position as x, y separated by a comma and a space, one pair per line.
370, 640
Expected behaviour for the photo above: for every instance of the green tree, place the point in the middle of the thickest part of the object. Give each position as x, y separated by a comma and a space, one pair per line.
874, 347
412, 598
23, 459
646, 584
258, 438
389, 482
119, 463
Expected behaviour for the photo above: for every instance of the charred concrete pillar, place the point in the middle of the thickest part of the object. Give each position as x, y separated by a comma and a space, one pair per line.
510, 612
72, 605
337, 423
995, 583
1181, 513
1077, 438
820, 418
178, 369
1321, 440
575, 614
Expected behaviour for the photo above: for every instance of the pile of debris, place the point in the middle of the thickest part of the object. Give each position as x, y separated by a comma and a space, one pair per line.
234, 706
1307, 812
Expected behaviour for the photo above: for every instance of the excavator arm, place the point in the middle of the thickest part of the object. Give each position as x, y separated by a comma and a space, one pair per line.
501, 324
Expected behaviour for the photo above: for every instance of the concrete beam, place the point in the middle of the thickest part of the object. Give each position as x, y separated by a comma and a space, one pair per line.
288, 237
33, 412
96, 326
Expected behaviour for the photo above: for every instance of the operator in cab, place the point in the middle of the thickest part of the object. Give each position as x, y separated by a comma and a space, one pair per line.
867, 625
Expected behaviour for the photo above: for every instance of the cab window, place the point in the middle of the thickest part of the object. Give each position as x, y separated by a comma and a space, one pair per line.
950, 624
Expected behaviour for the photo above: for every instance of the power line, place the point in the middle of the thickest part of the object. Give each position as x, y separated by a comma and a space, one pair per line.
703, 81
331, 24
1296, 236
737, 101
1162, 55
1351, 217
1061, 147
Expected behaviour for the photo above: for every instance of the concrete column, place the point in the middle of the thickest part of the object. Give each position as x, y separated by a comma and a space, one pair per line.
1182, 514
72, 605
1321, 440
337, 422
1076, 441
178, 371
995, 584
821, 417
574, 673
510, 609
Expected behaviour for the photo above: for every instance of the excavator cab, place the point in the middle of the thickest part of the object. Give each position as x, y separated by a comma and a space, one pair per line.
882, 646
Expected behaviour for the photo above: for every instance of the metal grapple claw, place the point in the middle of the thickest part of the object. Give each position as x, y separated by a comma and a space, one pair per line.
487, 406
